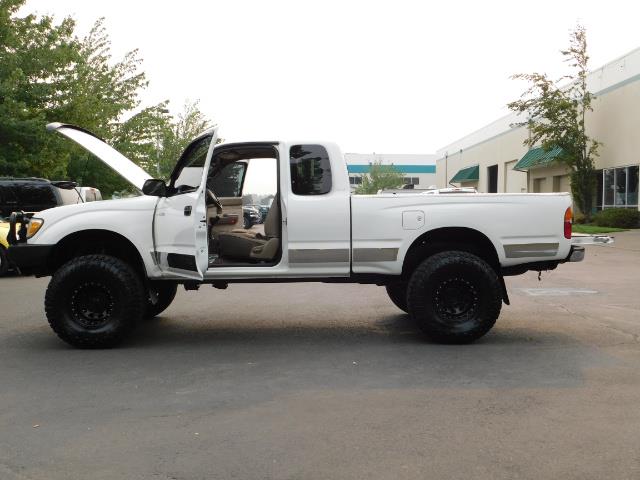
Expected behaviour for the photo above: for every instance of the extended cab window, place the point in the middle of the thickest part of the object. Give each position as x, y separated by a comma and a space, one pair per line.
310, 170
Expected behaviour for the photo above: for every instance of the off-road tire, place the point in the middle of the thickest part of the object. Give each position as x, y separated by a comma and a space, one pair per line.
398, 294
94, 301
455, 297
4, 261
159, 297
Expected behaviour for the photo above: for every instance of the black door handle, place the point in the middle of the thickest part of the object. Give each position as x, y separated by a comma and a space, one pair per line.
187, 210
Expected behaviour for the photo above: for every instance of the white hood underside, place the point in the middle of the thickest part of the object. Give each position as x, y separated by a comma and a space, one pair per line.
107, 154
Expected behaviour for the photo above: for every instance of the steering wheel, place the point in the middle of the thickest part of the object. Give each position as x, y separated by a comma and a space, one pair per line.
213, 200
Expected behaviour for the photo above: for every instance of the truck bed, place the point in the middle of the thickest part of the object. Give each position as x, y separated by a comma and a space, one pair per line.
522, 227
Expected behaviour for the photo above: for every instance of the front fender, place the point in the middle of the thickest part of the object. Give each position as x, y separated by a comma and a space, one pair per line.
132, 220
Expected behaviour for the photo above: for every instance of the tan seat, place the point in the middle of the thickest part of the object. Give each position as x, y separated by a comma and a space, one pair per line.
242, 245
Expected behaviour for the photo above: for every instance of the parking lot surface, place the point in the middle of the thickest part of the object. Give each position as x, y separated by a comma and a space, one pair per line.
315, 381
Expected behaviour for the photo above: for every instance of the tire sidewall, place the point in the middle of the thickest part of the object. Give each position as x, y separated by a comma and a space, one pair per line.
115, 277
452, 266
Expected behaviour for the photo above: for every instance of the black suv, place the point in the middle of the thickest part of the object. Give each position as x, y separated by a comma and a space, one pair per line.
35, 194
31, 195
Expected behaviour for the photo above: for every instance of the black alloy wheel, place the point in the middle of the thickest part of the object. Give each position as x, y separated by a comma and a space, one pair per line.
94, 301
455, 297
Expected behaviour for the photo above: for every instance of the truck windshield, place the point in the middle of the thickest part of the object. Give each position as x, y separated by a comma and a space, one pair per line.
188, 173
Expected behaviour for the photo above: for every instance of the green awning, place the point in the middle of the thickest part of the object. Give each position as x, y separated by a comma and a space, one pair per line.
468, 174
538, 157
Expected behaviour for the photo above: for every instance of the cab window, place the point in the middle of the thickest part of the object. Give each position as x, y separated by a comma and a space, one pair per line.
310, 170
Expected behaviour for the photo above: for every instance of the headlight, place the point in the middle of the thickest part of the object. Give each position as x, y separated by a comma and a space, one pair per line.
33, 226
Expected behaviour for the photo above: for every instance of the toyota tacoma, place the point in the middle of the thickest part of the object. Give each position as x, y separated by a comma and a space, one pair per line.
442, 258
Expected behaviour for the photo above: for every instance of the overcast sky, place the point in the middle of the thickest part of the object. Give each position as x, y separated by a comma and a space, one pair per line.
386, 77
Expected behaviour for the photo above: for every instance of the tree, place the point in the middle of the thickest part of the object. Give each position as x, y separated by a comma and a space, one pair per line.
48, 74
35, 58
175, 136
103, 96
379, 177
556, 118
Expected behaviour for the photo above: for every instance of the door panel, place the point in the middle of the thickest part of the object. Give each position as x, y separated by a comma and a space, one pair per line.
317, 211
181, 234
180, 223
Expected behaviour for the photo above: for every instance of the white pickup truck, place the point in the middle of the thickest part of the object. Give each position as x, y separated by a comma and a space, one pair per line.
442, 258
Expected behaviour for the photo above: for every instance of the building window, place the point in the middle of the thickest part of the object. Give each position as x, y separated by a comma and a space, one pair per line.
355, 180
492, 179
411, 180
620, 187
310, 170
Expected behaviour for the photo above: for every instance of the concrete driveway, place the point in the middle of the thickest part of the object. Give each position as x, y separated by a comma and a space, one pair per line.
313, 381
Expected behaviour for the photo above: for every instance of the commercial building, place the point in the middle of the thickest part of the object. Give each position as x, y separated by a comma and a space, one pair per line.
494, 159
418, 170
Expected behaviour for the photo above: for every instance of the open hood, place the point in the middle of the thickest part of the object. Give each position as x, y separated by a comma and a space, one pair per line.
109, 156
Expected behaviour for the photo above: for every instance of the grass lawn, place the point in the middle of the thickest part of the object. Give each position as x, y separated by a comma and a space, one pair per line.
591, 229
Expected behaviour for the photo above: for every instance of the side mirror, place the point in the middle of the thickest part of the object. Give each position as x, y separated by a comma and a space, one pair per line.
154, 187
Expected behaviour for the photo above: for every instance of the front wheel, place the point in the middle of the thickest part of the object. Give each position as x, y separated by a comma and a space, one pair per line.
159, 297
455, 297
94, 301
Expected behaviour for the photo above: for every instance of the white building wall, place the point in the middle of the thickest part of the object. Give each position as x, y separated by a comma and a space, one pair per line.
615, 121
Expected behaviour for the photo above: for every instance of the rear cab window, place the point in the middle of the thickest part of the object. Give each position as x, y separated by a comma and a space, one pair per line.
310, 170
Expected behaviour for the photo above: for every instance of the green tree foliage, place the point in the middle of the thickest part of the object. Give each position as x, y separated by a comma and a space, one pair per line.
379, 177
35, 59
557, 115
174, 137
47, 74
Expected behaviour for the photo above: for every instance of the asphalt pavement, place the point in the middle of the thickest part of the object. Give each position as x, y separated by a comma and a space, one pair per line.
315, 381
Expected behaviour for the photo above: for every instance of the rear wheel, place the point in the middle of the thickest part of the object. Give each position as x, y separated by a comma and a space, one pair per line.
398, 294
159, 297
455, 297
94, 301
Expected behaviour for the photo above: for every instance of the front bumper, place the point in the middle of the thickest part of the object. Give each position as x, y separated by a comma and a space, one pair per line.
30, 259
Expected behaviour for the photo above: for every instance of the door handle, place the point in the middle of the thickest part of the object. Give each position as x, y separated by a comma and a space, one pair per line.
187, 210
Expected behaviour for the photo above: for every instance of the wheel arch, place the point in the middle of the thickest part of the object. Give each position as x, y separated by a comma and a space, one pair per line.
449, 238
96, 241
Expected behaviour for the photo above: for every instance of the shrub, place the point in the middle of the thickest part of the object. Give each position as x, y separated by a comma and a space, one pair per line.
579, 217
617, 217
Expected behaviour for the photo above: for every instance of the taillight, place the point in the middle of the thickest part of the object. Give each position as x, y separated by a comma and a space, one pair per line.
568, 215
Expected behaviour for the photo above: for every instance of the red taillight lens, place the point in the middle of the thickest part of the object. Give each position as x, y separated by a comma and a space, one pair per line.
568, 215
